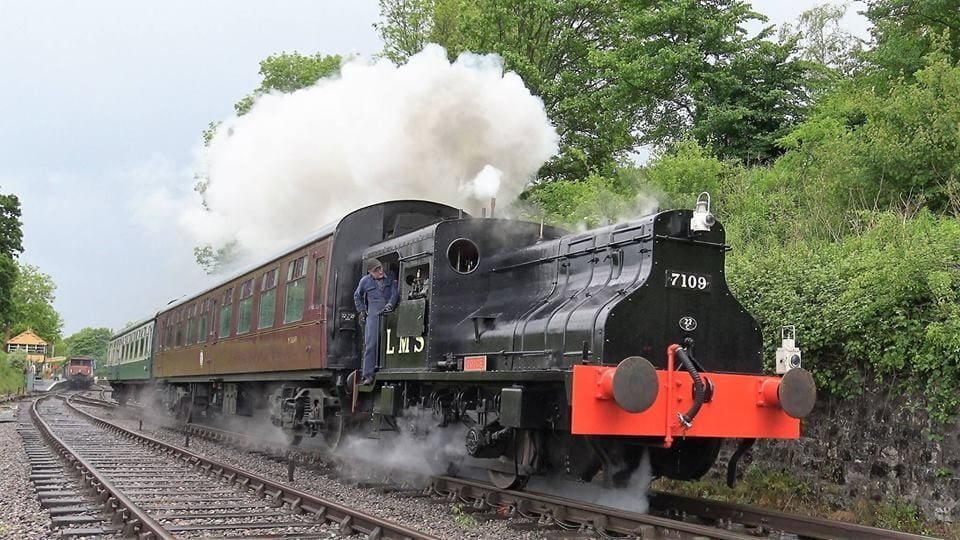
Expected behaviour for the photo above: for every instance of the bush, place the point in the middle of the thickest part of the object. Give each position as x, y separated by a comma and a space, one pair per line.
879, 304
11, 372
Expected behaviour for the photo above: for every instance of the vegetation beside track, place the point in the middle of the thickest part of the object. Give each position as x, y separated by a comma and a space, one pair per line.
11, 373
785, 492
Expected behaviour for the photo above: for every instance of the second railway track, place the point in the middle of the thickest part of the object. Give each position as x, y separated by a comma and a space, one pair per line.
135, 485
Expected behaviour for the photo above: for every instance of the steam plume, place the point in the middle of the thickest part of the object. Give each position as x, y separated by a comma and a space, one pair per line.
457, 133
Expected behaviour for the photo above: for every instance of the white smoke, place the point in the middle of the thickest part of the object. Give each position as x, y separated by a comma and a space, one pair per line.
457, 133
421, 447
632, 498
487, 183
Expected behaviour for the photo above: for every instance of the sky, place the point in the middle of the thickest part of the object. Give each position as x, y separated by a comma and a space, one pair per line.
102, 105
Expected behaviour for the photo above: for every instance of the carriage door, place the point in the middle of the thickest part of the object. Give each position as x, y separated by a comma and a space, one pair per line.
406, 337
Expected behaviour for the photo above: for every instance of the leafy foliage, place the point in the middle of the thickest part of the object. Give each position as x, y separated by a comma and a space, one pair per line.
868, 307
11, 237
11, 373
33, 296
871, 149
906, 32
694, 72
590, 202
11, 244
288, 72
615, 75
89, 342
830, 52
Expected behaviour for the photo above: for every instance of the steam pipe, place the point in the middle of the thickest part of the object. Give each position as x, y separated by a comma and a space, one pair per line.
699, 389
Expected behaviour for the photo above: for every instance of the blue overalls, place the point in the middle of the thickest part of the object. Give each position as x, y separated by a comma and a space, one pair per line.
372, 296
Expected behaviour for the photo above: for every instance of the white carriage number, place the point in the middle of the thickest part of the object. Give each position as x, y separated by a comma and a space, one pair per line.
688, 281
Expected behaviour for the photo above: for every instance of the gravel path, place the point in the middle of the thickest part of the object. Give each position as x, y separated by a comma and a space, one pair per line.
431, 515
21, 516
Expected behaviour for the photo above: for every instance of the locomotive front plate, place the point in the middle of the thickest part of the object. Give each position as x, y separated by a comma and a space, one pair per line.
688, 281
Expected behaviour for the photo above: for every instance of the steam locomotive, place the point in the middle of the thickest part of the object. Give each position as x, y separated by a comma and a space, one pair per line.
552, 353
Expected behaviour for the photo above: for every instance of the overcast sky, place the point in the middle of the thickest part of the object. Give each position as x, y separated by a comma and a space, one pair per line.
103, 103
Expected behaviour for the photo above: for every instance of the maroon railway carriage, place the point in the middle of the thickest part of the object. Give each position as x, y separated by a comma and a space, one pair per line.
288, 321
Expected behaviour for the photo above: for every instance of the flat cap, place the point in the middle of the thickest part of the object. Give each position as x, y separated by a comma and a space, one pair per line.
373, 263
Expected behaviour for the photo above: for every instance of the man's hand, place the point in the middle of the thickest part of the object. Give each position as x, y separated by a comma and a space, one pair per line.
388, 308
363, 318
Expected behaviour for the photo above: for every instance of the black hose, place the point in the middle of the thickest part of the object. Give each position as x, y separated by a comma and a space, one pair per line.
699, 389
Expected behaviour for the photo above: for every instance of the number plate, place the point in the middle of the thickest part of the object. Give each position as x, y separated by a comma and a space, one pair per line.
475, 363
689, 281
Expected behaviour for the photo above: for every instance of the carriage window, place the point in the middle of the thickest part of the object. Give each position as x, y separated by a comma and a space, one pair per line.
319, 268
246, 307
463, 255
204, 318
180, 331
296, 290
168, 337
226, 312
268, 299
191, 325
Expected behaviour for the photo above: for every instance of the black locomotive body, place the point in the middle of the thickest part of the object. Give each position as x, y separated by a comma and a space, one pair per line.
498, 319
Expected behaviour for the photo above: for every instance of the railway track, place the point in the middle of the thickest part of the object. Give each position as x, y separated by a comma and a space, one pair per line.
100, 479
672, 516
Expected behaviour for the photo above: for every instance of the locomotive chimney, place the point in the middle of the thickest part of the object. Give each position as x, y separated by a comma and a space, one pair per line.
493, 205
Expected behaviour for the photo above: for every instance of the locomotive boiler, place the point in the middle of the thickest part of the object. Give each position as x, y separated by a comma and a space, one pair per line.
545, 352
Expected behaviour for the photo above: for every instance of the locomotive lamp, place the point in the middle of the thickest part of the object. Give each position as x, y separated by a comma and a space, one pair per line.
788, 355
702, 219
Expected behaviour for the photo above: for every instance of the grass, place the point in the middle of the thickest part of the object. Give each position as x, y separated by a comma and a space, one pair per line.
11, 377
461, 518
785, 492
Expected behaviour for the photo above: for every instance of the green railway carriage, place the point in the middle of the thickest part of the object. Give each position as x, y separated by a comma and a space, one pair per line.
129, 360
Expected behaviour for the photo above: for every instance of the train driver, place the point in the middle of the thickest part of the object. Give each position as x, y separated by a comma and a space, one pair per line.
377, 292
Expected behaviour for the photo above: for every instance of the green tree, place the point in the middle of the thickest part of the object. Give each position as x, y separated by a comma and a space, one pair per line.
405, 27
614, 75
832, 54
906, 31
90, 342
874, 147
695, 72
11, 245
740, 112
33, 296
288, 72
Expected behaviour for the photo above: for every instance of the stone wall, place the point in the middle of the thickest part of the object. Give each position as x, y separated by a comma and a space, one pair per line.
880, 446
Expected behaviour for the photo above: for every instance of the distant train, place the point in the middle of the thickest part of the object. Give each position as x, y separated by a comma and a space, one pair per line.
551, 352
78, 371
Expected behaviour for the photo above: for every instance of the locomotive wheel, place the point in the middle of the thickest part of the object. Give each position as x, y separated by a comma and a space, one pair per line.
333, 432
525, 448
505, 480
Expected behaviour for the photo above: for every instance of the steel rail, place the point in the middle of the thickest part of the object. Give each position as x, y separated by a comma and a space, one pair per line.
774, 519
350, 521
137, 520
719, 511
563, 511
